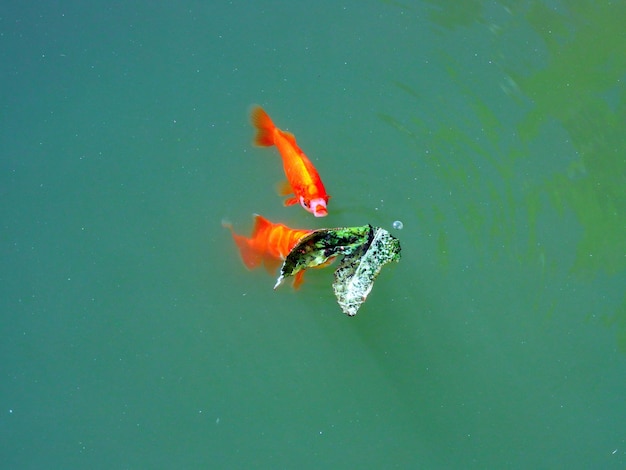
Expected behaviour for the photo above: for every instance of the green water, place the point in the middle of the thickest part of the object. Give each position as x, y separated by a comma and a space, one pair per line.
132, 335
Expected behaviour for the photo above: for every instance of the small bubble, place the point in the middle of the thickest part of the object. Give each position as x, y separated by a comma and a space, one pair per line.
397, 225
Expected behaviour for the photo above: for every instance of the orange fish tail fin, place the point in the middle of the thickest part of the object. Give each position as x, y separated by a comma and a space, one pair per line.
264, 126
250, 257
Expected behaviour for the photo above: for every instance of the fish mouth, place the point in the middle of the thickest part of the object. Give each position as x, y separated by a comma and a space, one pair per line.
318, 207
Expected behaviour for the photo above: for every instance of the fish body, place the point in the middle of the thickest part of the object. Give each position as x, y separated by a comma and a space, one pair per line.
303, 180
269, 244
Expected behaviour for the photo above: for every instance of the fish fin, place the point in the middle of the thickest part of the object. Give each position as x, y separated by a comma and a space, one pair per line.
298, 279
291, 201
260, 224
292, 140
284, 188
250, 257
272, 264
264, 126
290, 137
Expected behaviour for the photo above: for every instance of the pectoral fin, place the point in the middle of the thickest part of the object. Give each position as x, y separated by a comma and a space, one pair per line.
284, 188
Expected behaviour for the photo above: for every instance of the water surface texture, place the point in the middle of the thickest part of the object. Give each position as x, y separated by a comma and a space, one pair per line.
133, 336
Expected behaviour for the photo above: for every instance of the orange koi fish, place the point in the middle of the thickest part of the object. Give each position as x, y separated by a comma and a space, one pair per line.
269, 244
302, 178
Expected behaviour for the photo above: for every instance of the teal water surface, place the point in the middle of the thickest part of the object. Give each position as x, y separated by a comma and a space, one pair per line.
133, 336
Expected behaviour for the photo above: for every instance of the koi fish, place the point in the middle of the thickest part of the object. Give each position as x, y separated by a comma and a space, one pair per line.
269, 244
303, 181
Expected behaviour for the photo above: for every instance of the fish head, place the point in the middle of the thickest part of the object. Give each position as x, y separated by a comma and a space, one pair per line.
316, 206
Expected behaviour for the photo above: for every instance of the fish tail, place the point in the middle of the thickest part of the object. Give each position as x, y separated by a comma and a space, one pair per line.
250, 257
264, 126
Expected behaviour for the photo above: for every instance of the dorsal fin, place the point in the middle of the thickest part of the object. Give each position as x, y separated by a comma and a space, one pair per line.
290, 137
260, 224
